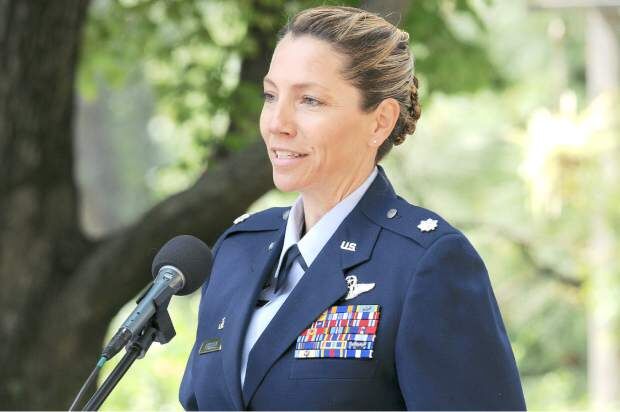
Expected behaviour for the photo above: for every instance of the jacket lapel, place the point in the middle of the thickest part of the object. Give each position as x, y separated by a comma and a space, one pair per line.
322, 285
238, 314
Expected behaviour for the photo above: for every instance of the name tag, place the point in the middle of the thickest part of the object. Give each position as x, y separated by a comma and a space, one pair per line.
210, 345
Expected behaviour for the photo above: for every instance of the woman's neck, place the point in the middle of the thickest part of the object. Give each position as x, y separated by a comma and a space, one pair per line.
318, 203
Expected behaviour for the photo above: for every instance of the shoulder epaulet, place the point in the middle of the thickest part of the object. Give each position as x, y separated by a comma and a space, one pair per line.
417, 223
268, 219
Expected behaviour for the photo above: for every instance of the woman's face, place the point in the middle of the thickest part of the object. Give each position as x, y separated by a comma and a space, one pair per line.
316, 135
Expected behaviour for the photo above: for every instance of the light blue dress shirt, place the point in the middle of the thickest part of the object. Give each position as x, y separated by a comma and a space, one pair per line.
310, 245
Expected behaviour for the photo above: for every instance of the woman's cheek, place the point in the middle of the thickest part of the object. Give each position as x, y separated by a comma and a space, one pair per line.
262, 125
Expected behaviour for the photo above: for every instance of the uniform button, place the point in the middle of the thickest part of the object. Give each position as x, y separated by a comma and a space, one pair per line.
391, 213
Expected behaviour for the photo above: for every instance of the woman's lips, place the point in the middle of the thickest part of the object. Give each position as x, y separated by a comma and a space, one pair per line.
284, 158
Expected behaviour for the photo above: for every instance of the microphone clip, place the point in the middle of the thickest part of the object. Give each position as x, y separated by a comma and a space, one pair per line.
160, 329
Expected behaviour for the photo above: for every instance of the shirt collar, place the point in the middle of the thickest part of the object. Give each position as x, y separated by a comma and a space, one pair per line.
313, 241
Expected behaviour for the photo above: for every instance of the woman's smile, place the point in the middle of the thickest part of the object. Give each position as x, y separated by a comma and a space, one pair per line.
285, 157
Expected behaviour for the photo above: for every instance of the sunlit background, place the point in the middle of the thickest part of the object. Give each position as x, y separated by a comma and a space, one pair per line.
518, 146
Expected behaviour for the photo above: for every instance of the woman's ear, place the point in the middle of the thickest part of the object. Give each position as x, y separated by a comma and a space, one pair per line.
385, 118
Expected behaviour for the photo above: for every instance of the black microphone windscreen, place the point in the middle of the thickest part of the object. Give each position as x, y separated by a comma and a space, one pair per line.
188, 254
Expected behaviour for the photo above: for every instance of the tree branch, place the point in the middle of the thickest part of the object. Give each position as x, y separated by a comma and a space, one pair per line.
525, 249
120, 266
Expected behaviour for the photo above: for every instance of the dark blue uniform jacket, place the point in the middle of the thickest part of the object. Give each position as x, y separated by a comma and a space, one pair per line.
440, 341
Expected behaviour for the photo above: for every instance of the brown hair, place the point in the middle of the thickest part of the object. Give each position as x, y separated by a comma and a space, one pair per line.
379, 62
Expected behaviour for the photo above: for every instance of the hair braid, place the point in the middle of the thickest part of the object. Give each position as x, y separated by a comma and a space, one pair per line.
414, 110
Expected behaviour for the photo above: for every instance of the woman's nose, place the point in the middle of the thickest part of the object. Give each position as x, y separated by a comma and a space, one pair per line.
282, 119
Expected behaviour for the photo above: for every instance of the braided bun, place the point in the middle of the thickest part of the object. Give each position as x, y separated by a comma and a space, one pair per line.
414, 111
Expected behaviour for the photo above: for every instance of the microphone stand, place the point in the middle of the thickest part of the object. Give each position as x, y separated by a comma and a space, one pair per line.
159, 329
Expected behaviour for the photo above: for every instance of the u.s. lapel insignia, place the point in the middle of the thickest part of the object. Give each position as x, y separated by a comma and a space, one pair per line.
346, 245
356, 289
241, 218
427, 225
220, 326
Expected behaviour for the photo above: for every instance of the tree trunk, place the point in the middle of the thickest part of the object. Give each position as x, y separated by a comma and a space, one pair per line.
59, 289
40, 240
603, 76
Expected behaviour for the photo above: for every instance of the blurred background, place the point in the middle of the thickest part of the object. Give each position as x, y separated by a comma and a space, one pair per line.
126, 122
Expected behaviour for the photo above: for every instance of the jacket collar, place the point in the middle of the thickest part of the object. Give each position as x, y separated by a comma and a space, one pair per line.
372, 202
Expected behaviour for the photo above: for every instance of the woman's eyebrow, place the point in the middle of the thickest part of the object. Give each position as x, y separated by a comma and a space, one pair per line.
297, 85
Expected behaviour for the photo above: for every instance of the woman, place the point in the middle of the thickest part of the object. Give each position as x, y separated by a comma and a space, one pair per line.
352, 298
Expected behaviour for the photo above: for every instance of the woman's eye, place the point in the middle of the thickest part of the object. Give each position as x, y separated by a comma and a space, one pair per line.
268, 97
312, 101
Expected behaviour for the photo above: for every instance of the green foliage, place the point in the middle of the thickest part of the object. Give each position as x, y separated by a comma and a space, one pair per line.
447, 43
191, 54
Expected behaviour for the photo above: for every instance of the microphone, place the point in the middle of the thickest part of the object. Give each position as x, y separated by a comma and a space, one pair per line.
179, 268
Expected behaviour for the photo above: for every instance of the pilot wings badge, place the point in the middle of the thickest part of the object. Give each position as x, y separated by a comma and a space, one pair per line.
356, 289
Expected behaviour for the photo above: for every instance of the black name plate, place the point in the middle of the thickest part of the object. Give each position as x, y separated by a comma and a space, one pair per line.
210, 345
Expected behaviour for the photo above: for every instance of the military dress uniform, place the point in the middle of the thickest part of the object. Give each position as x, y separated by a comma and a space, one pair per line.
396, 312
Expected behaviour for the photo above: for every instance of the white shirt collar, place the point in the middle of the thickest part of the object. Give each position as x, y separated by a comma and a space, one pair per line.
313, 241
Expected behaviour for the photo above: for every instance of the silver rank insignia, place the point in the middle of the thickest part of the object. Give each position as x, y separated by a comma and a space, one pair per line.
427, 225
356, 289
241, 218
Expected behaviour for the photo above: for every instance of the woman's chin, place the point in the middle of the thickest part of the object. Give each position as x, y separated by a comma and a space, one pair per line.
285, 182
